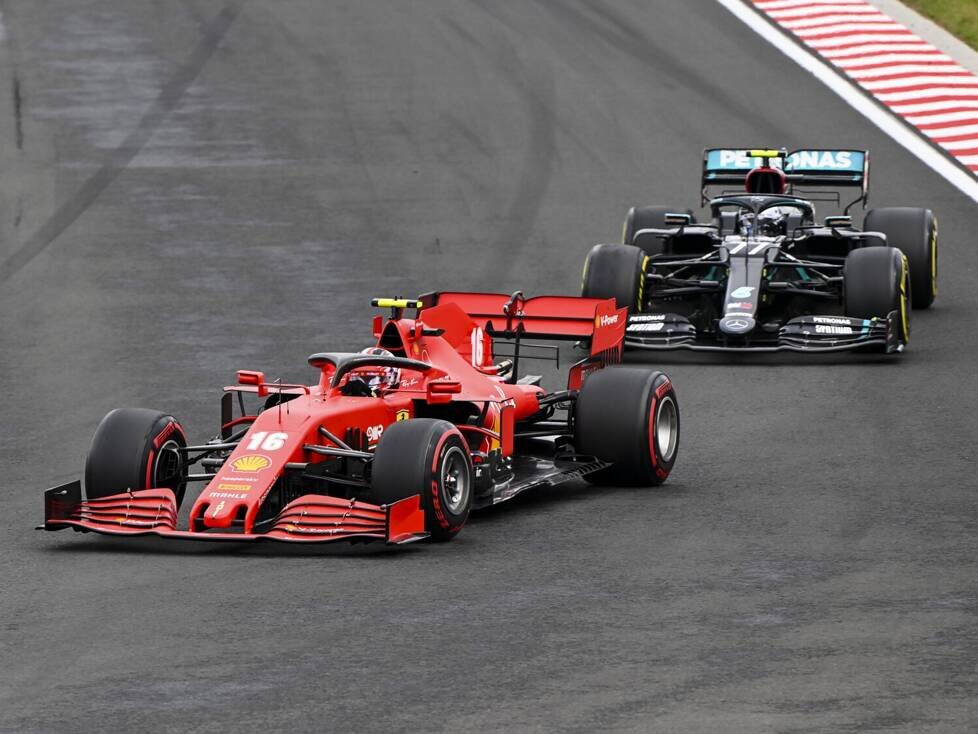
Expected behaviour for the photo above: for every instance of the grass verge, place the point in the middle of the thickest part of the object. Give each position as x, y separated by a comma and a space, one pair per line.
959, 17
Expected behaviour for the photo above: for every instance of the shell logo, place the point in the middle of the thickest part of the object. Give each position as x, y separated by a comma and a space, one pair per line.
251, 463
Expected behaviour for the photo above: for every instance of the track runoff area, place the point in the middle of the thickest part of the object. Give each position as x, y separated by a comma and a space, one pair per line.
911, 90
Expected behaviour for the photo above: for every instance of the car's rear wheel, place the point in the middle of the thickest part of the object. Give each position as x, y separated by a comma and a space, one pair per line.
877, 283
914, 232
133, 449
430, 458
628, 416
616, 271
648, 217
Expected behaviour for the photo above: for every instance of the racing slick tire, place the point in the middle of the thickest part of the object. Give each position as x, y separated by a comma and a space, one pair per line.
628, 416
914, 232
648, 217
876, 282
615, 271
427, 457
133, 449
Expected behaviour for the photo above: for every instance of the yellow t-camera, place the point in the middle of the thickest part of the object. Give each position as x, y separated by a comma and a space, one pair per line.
395, 303
768, 153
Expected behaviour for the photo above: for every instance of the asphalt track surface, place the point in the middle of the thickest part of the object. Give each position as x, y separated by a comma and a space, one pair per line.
189, 187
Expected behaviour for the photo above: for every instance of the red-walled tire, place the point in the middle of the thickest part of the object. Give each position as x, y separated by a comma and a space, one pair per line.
135, 448
430, 458
628, 416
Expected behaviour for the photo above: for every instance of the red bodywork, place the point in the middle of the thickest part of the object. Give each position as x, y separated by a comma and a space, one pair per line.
452, 335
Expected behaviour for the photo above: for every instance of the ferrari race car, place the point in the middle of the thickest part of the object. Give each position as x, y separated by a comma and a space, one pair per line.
396, 443
763, 275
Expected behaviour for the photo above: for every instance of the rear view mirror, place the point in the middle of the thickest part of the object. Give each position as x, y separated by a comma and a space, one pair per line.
840, 221
674, 219
251, 377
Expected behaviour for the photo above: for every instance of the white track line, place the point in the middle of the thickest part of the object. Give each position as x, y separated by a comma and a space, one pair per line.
852, 94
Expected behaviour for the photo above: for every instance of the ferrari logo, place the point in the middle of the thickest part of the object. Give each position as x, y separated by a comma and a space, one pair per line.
403, 415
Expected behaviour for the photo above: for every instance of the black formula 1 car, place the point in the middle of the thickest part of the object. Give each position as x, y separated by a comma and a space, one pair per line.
763, 275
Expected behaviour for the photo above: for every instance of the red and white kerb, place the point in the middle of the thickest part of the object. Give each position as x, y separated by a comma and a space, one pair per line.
910, 76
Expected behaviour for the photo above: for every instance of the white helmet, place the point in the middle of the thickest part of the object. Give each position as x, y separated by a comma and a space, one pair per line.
773, 221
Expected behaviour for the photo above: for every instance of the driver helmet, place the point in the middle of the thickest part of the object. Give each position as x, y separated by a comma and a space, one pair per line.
380, 378
745, 223
772, 222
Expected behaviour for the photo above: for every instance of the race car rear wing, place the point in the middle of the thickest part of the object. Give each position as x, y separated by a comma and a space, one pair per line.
559, 318
807, 167
595, 321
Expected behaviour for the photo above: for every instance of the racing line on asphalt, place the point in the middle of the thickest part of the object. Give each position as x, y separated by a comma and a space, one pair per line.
119, 158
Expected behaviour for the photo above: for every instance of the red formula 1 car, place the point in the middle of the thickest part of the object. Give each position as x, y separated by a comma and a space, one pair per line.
396, 443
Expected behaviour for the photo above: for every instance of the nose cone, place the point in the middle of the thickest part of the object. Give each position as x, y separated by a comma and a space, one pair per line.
221, 512
235, 492
737, 324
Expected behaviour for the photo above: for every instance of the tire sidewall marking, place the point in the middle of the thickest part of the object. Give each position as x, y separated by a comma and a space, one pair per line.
154, 446
653, 433
436, 504
904, 297
933, 257
661, 466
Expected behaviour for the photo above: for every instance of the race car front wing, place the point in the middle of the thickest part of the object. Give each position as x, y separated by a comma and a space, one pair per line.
801, 334
307, 519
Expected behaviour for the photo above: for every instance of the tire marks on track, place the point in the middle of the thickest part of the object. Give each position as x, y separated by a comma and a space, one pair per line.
512, 55
606, 22
18, 111
119, 159
536, 88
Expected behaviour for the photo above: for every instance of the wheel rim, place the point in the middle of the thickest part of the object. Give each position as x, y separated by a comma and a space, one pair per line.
665, 429
455, 479
166, 466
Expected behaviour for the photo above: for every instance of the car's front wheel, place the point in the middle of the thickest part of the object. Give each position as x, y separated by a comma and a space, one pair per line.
430, 458
133, 449
877, 283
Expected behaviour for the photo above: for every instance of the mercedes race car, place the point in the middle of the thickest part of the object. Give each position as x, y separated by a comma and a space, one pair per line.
763, 274
396, 443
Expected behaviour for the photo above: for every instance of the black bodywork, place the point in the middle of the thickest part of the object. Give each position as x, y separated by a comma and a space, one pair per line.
732, 285
735, 284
